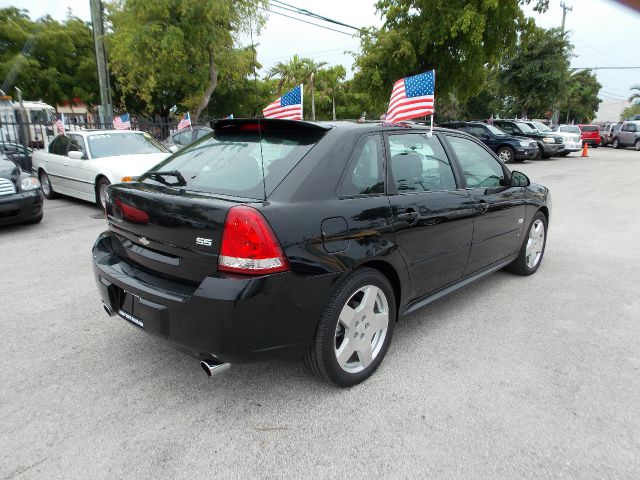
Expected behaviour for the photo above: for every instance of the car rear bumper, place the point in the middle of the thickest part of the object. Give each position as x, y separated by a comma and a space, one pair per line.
572, 146
591, 141
20, 207
229, 318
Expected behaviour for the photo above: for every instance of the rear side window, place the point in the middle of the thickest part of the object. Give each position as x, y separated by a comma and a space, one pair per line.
233, 160
365, 173
419, 164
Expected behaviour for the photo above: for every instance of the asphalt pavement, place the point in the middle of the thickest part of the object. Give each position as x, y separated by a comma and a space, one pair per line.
512, 377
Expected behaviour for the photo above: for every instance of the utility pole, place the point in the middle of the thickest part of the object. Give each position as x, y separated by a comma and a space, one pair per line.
564, 13
106, 112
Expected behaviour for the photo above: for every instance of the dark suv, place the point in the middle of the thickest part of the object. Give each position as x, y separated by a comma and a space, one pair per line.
548, 143
508, 147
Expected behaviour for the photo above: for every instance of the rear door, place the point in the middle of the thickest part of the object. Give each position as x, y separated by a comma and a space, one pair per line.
431, 211
499, 209
54, 162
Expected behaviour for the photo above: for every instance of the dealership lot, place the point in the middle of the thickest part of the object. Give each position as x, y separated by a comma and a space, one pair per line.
512, 377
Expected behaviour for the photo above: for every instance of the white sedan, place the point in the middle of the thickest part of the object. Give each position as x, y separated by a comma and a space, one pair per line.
83, 163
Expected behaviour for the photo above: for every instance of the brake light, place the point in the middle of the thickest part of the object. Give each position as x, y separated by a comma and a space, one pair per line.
249, 246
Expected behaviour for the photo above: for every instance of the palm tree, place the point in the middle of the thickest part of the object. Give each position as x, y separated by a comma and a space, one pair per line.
312, 68
294, 72
635, 95
331, 80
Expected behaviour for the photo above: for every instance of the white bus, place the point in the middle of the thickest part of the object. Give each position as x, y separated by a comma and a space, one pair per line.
40, 117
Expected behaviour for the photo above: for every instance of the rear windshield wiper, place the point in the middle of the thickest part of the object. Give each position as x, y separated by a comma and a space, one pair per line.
159, 177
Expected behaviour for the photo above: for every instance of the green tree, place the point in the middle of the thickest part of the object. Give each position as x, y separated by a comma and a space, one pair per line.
173, 52
457, 38
294, 72
581, 100
630, 111
635, 95
49, 60
330, 81
535, 74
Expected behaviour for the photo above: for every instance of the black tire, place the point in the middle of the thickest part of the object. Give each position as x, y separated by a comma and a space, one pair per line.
596, 144
519, 266
637, 145
506, 154
321, 358
47, 189
102, 183
616, 143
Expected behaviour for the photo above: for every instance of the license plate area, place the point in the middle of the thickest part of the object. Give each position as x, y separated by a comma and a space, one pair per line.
144, 313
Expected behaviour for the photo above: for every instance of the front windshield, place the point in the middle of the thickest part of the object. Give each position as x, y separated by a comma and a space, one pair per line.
541, 127
525, 128
125, 143
569, 129
495, 130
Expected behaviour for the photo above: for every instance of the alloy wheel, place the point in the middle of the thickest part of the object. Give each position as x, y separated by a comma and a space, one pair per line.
103, 194
46, 186
361, 329
535, 244
637, 145
505, 155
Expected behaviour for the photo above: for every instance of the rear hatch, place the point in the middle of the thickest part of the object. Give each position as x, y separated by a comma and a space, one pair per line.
170, 221
591, 132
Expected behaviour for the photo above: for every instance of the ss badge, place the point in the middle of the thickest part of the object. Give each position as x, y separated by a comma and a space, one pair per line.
206, 242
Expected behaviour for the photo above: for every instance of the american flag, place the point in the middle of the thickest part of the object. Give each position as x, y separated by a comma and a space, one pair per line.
185, 121
412, 97
59, 124
122, 122
288, 106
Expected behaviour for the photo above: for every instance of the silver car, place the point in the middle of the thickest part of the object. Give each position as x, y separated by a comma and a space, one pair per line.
628, 135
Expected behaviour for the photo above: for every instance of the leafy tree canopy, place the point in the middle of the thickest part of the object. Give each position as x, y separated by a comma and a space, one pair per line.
173, 52
459, 38
48, 60
581, 100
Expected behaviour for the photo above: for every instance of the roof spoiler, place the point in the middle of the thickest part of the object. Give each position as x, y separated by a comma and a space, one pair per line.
268, 124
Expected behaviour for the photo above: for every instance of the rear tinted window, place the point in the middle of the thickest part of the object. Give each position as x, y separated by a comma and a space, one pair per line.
232, 162
589, 128
126, 143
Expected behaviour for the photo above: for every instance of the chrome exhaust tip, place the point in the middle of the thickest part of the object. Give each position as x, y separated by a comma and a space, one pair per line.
212, 368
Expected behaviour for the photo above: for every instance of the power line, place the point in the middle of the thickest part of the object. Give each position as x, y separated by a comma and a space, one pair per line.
303, 11
310, 23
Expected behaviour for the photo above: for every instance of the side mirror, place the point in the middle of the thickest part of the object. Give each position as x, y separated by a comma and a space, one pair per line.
519, 179
75, 155
174, 148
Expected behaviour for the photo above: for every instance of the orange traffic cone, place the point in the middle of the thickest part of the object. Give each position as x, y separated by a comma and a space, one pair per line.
585, 150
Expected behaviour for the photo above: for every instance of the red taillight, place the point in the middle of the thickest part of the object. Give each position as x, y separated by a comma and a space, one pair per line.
249, 245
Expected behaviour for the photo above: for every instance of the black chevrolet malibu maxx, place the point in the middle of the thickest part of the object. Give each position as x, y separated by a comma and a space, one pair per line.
276, 238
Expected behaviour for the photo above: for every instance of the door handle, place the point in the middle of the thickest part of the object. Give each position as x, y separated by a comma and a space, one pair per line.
409, 216
482, 206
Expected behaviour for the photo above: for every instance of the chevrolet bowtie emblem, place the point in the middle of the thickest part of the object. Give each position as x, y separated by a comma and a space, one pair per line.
144, 241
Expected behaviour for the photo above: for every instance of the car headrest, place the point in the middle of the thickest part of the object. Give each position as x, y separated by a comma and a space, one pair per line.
406, 166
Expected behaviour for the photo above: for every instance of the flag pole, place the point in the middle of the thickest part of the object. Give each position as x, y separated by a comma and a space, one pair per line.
431, 129
302, 101
190, 124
